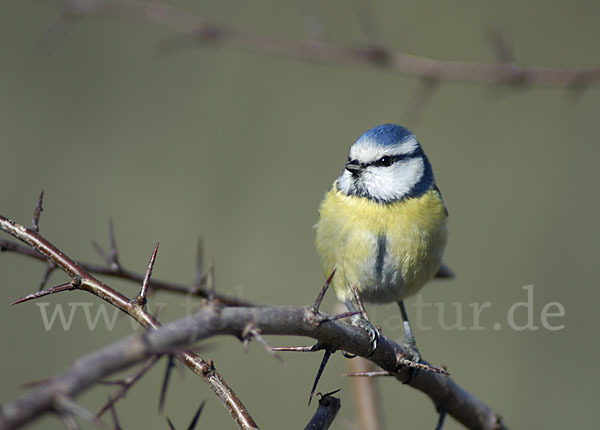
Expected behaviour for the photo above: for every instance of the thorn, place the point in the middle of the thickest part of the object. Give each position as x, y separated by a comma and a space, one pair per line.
49, 269
361, 308
370, 374
331, 393
339, 316
112, 258
312, 348
113, 414
114, 253
445, 272
324, 361
323, 291
422, 366
441, 418
142, 296
252, 331
63, 287
210, 282
35, 222
165, 383
199, 279
194, 421
502, 47
171, 426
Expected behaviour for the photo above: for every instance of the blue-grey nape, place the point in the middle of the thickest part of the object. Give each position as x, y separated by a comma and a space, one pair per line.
387, 134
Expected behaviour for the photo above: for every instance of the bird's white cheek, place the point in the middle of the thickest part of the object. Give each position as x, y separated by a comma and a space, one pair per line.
344, 182
394, 182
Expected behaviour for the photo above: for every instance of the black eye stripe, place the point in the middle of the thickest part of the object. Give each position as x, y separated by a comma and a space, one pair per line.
388, 160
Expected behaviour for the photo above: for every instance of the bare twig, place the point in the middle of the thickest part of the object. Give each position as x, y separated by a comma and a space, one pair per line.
197, 30
123, 273
49, 269
126, 384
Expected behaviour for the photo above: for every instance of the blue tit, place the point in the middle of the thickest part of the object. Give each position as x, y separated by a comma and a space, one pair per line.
383, 223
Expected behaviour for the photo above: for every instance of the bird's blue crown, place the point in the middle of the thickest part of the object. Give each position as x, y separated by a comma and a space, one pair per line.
387, 135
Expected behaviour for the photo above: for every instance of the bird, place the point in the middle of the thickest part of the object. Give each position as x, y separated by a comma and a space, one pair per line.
383, 225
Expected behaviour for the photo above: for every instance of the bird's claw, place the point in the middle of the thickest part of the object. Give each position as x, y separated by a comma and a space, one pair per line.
411, 348
372, 331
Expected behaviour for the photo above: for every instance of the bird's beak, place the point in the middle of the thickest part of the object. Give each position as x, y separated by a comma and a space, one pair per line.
354, 167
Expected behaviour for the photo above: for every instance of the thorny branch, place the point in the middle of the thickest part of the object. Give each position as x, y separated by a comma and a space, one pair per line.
135, 308
197, 30
116, 270
212, 320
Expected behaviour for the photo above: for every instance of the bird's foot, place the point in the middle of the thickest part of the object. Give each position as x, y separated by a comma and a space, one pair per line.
361, 322
410, 346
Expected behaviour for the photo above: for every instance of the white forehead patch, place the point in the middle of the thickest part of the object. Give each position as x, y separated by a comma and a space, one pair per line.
367, 150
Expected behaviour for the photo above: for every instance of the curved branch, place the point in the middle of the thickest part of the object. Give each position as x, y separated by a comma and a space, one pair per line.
212, 321
84, 281
200, 31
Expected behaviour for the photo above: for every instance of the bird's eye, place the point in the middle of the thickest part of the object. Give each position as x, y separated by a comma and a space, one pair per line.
385, 161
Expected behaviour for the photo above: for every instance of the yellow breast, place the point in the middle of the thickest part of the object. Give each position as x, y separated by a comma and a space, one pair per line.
389, 251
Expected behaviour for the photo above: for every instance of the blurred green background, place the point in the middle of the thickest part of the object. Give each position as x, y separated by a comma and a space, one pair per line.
239, 147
